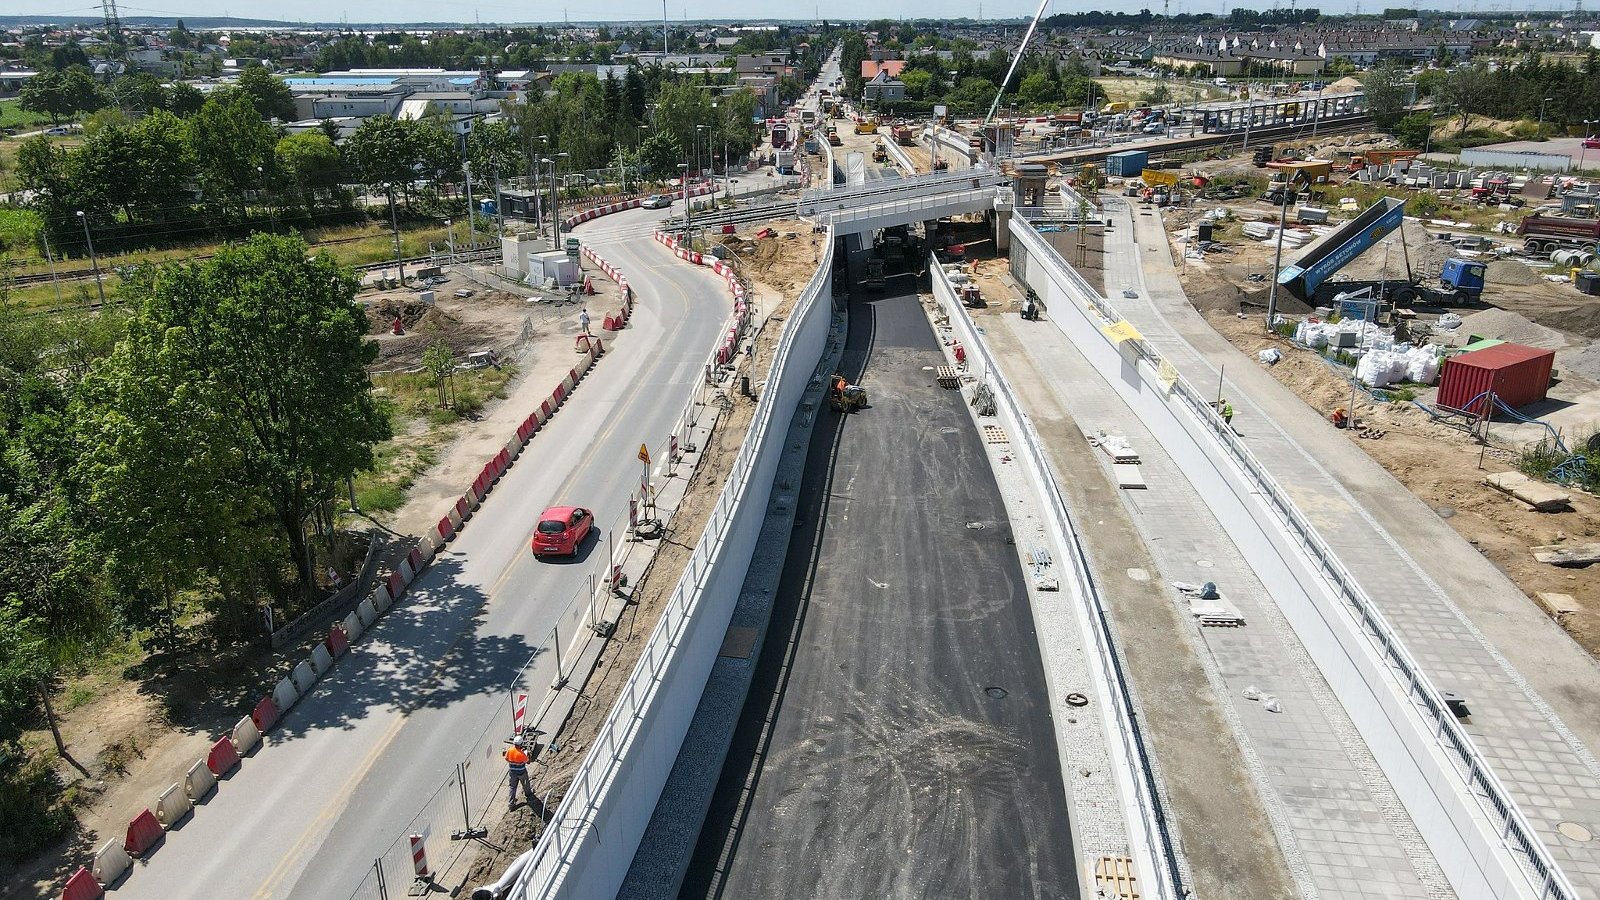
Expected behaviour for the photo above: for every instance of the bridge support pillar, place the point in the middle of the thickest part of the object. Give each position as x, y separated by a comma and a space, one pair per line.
1002, 230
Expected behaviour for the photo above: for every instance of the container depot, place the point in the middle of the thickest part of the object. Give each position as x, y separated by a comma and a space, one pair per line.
1127, 164
1518, 375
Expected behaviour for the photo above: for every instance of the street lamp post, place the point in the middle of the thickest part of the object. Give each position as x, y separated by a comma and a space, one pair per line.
1542, 102
450, 236
472, 231
1290, 189
1583, 150
94, 258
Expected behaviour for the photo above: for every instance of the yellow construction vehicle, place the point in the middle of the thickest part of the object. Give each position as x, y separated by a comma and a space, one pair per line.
866, 125
846, 397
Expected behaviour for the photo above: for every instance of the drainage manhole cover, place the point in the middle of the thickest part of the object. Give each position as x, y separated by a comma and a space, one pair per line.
1203, 563
1445, 512
975, 526
997, 693
1574, 831
1138, 574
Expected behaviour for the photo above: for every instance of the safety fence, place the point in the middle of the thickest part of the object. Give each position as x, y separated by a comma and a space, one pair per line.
1472, 825
1151, 842
603, 814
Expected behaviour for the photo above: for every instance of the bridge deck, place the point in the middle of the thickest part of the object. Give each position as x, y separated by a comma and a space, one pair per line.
897, 739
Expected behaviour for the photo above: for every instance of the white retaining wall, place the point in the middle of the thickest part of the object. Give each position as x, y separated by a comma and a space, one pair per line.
1453, 798
586, 848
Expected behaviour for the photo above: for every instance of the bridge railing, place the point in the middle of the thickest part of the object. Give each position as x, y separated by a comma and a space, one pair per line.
1505, 827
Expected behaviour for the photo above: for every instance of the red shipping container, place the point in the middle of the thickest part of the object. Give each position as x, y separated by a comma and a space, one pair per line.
1518, 375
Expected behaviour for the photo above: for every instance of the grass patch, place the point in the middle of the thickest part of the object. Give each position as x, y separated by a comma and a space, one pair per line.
413, 401
12, 115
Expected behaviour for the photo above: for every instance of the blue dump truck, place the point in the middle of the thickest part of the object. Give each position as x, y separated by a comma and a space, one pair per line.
1311, 277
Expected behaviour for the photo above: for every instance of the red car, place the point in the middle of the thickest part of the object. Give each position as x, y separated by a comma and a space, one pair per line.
562, 530
1591, 143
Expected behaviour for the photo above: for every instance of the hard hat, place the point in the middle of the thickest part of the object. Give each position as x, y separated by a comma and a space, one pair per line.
518, 742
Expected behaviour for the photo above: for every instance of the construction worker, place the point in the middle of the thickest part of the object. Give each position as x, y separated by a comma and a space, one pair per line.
517, 767
1227, 413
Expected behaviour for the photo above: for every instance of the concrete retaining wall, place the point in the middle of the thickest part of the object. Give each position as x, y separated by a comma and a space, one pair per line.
599, 824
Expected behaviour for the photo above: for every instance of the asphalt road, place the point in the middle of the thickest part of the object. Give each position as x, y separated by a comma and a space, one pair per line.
897, 740
355, 760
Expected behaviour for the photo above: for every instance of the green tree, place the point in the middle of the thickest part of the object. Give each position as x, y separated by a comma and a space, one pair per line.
972, 95
917, 82
144, 169
660, 154
380, 153
232, 147
262, 350
184, 99
1414, 128
311, 162
440, 362
1038, 90
139, 92
45, 93
1387, 94
268, 94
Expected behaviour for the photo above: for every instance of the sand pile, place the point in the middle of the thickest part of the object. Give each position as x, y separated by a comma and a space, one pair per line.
1581, 317
1509, 326
1509, 271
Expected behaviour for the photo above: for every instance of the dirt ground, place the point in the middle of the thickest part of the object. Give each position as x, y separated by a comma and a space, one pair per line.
790, 262
1441, 466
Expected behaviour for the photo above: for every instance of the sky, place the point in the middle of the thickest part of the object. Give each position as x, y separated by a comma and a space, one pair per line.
554, 10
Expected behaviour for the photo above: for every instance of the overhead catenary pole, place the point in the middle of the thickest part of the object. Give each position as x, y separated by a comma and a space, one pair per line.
94, 258
472, 231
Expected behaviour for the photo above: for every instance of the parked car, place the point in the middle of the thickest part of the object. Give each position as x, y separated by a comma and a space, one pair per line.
562, 530
656, 201
1591, 143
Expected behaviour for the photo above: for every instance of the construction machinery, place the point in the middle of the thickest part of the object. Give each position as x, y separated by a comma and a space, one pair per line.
833, 136
1359, 161
846, 397
866, 125
904, 135
1545, 234
874, 273
879, 154
1310, 278
972, 298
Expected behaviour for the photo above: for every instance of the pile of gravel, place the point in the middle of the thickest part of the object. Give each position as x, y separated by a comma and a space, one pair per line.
1509, 271
1509, 326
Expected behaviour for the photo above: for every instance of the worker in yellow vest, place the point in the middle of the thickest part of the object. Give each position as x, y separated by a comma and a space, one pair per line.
517, 766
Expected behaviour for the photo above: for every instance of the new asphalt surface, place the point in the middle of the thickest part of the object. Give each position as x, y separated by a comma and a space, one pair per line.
897, 741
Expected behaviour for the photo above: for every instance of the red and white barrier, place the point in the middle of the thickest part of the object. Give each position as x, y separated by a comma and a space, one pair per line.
699, 190
171, 806
82, 886
198, 781
110, 861
419, 857
223, 757
729, 346
144, 832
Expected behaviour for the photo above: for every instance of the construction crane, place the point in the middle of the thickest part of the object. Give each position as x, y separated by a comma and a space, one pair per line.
113, 21
1015, 60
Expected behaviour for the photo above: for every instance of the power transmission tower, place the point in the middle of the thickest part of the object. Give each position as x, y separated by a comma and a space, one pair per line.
113, 21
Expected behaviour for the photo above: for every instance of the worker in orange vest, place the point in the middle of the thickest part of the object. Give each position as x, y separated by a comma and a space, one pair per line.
517, 765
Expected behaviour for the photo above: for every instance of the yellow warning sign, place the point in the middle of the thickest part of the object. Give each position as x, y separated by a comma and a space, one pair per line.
1121, 331
1153, 177
644, 454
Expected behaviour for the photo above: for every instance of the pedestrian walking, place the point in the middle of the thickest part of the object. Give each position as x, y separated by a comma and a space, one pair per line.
1227, 412
517, 768
583, 319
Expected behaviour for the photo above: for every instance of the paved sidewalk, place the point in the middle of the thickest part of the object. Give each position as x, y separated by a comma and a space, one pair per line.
1409, 561
1340, 826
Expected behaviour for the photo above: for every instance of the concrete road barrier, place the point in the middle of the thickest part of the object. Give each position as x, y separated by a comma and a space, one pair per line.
223, 757
367, 612
304, 676
381, 599
406, 572
144, 832
109, 862
285, 695
172, 805
199, 781
245, 736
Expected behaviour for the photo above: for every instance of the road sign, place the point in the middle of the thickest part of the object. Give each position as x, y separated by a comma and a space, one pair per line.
644, 454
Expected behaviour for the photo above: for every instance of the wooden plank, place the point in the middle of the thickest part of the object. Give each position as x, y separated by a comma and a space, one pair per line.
1113, 876
1537, 494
